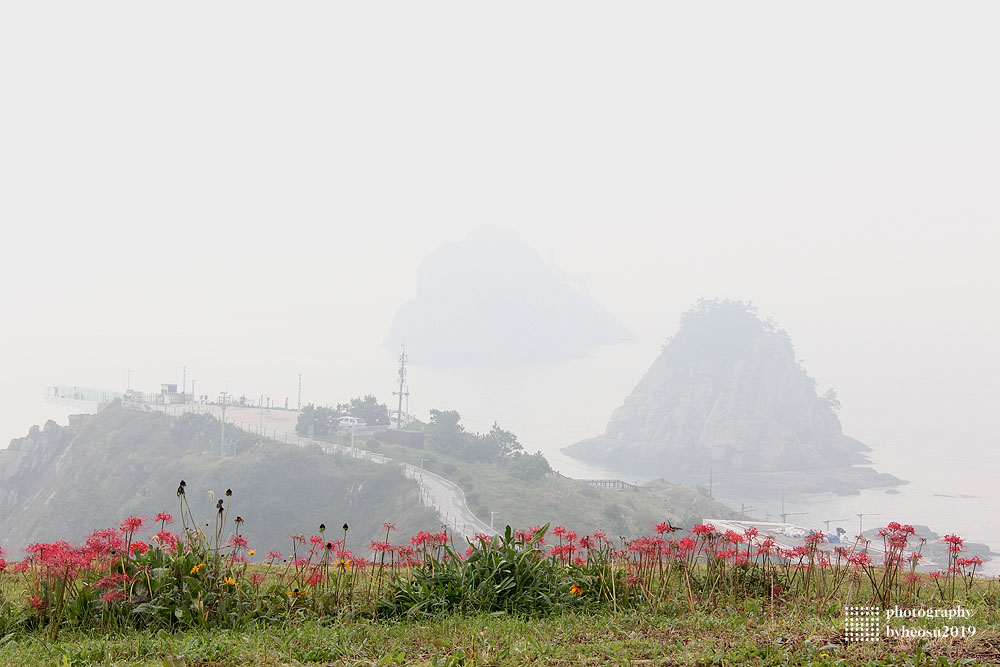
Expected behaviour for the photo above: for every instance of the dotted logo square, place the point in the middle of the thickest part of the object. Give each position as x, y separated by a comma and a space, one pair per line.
862, 623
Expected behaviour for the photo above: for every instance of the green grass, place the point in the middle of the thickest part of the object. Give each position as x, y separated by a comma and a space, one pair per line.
789, 636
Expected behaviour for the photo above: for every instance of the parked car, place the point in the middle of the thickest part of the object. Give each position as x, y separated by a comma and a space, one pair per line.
350, 422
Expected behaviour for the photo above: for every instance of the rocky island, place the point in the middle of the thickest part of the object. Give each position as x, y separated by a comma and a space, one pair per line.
727, 396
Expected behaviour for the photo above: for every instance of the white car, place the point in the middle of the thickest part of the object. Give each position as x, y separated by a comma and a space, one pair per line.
350, 422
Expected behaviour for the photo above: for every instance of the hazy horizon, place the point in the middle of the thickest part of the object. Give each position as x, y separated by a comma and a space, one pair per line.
251, 194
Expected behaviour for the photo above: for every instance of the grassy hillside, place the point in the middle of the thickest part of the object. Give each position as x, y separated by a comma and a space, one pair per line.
521, 501
120, 462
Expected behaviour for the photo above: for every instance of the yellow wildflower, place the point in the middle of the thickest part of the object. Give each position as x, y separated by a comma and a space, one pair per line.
575, 590
229, 581
194, 570
251, 552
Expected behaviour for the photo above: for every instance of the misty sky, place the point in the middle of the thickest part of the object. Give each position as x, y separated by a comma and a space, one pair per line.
248, 188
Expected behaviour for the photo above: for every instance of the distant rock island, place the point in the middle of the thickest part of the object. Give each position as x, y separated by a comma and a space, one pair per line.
726, 395
491, 300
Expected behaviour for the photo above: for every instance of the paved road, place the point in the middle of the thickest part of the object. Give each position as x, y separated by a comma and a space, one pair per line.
435, 491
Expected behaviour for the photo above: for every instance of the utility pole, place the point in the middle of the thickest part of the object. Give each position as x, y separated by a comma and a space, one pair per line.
184, 380
262, 414
222, 435
300, 391
710, 496
404, 389
861, 518
784, 515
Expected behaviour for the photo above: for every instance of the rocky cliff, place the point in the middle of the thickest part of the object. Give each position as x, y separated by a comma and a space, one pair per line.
727, 394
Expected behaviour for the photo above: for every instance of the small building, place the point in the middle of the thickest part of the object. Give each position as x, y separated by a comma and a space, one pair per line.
168, 394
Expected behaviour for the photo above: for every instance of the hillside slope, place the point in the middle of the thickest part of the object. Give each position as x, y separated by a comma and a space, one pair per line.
64, 482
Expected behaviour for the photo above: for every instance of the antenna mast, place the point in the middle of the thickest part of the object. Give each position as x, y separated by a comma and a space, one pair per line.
404, 389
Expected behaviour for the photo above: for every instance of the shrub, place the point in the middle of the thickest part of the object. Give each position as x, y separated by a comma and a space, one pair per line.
507, 573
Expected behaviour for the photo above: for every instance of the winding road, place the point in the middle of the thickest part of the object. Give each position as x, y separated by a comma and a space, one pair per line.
435, 491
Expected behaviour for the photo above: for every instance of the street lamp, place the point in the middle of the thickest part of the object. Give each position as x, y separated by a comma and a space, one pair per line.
492, 513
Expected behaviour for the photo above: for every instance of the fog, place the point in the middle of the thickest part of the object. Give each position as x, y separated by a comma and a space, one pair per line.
248, 191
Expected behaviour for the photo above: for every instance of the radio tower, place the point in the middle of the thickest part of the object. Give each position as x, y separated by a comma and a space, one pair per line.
404, 389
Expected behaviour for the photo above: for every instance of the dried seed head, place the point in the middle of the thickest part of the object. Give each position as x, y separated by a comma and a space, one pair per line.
345, 527
322, 527
229, 492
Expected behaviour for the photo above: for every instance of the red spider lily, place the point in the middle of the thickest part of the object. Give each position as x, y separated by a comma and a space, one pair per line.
104, 542
767, 547
815, 538
859, 559
704, 530
164, 518
167, 540
113, 596
965, 562
36, 603
238, 541
315, 577
559, 531
734, 537
379, 547
954, 542
131, 524
665, 527
797, 553
388, 526
138, 548
686, 546
257, 578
